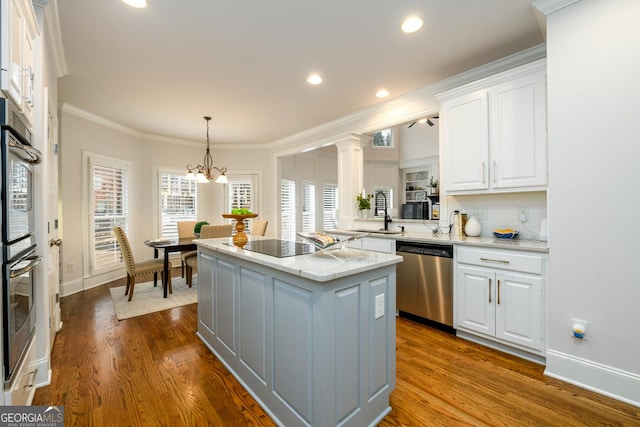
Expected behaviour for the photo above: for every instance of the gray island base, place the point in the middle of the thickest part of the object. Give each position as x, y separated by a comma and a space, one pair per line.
310, 337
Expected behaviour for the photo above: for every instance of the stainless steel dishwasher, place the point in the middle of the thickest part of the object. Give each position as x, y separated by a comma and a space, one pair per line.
424, 282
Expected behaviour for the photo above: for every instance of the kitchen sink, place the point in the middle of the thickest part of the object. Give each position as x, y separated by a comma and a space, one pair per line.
377, 231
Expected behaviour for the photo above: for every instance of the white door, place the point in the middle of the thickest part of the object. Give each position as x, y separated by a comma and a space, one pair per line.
53, 269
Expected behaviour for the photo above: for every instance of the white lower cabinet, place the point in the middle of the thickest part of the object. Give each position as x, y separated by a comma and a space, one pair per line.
500, 296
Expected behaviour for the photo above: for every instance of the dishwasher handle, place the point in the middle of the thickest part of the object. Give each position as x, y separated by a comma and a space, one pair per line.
442, 251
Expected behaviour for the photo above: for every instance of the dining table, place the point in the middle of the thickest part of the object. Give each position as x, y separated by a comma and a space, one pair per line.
168, 246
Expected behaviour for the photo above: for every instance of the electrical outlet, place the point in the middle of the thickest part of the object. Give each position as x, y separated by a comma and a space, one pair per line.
482, 213
523, 215
70, 267
379, 309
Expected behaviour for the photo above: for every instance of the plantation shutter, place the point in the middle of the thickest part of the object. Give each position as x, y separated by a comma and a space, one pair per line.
178, 202
288, 210
109, 207
308, 206
329, 206
241, 196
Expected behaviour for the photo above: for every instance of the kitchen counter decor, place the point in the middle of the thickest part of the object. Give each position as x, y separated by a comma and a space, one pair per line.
240, 239
506, 233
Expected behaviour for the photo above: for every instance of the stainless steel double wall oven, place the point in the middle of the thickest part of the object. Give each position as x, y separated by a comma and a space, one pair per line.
19, 257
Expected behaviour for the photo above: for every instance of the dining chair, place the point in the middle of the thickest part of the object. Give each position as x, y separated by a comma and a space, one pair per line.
259, 227
135, 269
206, 232
185, 229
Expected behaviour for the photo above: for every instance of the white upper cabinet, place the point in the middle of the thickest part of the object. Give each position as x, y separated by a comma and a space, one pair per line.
493, 133
17, 76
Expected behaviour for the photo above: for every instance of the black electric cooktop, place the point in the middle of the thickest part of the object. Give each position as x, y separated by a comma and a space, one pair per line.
277, 248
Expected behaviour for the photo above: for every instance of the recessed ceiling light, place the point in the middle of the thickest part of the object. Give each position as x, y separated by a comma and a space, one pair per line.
136, 3
382, 93
314, 79
411, 24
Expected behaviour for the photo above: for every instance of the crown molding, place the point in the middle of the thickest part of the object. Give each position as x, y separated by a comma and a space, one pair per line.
53, 36
79, 112
402, 108
547, 7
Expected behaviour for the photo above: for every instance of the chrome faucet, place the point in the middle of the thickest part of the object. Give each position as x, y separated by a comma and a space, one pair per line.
387, 218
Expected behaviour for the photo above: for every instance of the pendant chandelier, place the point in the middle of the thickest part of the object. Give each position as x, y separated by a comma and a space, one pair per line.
204, 173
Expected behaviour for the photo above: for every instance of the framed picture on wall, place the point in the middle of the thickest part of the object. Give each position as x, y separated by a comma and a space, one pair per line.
421, 195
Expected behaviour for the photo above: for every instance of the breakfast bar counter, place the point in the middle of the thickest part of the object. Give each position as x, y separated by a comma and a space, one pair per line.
311, 337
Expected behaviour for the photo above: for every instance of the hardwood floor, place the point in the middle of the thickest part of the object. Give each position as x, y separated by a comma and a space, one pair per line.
153, 370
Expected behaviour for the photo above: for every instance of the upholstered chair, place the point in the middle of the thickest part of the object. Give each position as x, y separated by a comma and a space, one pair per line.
206, 232
185, 229
135, 269
259, 227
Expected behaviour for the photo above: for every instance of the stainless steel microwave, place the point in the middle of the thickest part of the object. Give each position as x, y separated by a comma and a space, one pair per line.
416, 210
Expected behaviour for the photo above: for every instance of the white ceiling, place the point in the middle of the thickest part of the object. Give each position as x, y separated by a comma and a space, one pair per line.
159, 70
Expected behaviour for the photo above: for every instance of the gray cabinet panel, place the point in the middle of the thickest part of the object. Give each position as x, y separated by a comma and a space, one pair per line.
292, 323
379, 337
205, 294
348, 366
253, 323
226, 305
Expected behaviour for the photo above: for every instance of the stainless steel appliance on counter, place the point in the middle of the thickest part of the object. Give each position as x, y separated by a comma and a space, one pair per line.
424, 283
416, 210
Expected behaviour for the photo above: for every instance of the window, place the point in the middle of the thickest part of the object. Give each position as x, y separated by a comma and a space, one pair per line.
178, 201
288, 210
240, 194
329, 206
382, 139
108, 206
308, 206
379, 201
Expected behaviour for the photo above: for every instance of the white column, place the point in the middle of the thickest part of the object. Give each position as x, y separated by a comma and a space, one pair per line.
350, 175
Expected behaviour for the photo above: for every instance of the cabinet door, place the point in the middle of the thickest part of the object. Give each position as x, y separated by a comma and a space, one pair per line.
16, 51
518, 133
28, 80
475, 299
519, 309
465, 142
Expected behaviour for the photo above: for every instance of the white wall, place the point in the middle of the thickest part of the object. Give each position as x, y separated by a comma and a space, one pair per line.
594, 197
80, 134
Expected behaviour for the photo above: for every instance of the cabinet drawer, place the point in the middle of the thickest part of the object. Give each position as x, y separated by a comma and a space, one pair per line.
387, 246
509, 260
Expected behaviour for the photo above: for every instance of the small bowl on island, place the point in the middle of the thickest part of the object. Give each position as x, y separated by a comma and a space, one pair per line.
506, 233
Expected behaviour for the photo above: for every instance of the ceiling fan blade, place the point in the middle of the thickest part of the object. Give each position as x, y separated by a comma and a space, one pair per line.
412, 124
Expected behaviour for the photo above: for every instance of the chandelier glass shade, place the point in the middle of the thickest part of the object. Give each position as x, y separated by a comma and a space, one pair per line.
204, 172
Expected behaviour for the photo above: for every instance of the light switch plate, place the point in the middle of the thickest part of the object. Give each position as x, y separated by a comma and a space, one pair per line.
379, 306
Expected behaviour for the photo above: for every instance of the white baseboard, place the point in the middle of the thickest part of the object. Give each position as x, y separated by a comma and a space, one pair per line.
72, 287
84, 283
602, 379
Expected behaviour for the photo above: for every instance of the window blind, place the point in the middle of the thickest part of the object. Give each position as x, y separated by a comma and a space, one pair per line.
288, 210
241, 196
308, 206
109, 201
178, 202
329, 206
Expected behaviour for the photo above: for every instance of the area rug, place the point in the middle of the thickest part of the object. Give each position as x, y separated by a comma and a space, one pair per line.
149, 299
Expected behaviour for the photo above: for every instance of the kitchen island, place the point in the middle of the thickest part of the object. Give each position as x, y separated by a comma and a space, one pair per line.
311, 337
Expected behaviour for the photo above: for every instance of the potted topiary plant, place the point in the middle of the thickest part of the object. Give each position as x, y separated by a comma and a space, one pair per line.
364, 203
198, 226
434, 185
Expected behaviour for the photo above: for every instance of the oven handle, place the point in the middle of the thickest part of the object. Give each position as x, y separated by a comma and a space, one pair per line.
25, 152
35, 260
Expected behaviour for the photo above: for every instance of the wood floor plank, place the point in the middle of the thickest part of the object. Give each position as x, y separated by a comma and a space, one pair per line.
154, 370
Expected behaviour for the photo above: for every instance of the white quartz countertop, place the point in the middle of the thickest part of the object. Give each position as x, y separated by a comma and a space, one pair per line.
427, 237
320, 266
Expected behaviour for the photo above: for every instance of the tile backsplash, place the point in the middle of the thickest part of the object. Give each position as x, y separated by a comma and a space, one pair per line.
495, 211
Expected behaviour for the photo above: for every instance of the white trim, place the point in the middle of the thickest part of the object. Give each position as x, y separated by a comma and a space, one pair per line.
71, 287
53, 37
549, 6
612, 382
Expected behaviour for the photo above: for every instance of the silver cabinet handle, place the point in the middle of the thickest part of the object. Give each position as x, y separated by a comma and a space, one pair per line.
495, 171
499, 261
498, 291
484, 169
